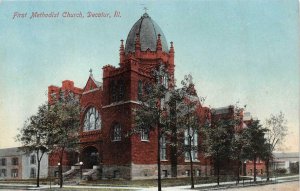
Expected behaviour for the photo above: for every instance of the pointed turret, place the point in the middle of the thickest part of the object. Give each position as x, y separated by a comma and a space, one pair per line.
122, 53
158, 43
171, 48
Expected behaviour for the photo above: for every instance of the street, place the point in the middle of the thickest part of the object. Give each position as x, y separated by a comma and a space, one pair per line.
287, 186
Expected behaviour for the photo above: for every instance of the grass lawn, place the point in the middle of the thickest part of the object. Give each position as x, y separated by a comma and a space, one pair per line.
153, 182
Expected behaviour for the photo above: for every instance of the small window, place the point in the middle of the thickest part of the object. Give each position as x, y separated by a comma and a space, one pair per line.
32, 159
3, 173
187, 173
140, 90
121, 90
14, 173
193, 134
3, 162
198, 172
14, 161
32, 173
117, 132
165, 173
163, 148
113, 90
145, 135
147, 88
116, 174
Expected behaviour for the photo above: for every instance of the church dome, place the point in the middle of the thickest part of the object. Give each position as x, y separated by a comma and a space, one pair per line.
148, 31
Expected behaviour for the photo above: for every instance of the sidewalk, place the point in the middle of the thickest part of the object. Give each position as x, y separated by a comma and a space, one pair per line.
210, 186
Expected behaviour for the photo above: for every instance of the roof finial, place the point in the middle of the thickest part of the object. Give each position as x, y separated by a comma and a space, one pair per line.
122, 46
91, 72
145, 9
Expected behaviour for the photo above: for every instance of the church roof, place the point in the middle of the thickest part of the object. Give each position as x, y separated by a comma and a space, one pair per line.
98, 84
148, 31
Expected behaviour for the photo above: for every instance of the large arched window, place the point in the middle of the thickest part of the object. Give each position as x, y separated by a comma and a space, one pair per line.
92, 120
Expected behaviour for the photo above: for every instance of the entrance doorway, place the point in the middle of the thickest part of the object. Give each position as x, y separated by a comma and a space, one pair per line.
90, 157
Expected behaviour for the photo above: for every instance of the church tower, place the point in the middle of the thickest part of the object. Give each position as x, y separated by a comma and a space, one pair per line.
146, 48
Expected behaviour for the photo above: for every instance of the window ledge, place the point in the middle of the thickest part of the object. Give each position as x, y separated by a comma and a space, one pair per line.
144, 140
193, 160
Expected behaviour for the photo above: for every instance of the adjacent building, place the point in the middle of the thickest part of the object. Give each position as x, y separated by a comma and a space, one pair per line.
15, 164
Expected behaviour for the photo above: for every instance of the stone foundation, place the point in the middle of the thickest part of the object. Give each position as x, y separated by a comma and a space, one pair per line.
116, 172
139, 171
149, 171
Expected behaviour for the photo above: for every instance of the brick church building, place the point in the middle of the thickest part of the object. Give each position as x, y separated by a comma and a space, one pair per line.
108, 113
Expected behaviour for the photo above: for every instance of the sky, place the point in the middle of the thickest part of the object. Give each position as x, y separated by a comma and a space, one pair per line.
236, 51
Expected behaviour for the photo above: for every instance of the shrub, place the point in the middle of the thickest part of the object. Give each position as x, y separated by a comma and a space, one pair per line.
281, 170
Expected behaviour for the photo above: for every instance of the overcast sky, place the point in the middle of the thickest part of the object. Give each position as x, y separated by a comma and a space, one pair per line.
244, 51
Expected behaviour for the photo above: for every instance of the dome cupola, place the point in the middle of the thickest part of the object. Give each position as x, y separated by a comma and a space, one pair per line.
147, 31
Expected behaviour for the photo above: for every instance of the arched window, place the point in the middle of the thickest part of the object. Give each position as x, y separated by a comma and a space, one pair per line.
92, 120
165, 81
32, 173
140, 90
117, 132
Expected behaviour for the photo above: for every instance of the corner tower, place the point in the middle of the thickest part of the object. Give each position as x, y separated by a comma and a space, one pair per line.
145, 49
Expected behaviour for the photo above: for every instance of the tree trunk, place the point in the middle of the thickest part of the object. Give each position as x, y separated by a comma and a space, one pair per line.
173, 152
267, 168
38, 170
191, 163
158, 159
254, 164
238, 171
218, 173
174, 140
60, 168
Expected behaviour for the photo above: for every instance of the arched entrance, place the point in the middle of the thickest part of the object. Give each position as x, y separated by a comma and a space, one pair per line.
90, 157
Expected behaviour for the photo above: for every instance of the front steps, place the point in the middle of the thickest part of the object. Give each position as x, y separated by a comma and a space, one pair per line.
73, 176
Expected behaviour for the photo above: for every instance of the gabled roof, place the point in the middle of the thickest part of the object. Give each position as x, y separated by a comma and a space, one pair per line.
98, 84
95, 83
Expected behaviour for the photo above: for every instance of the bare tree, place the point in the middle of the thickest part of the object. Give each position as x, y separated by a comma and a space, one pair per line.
277, 131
